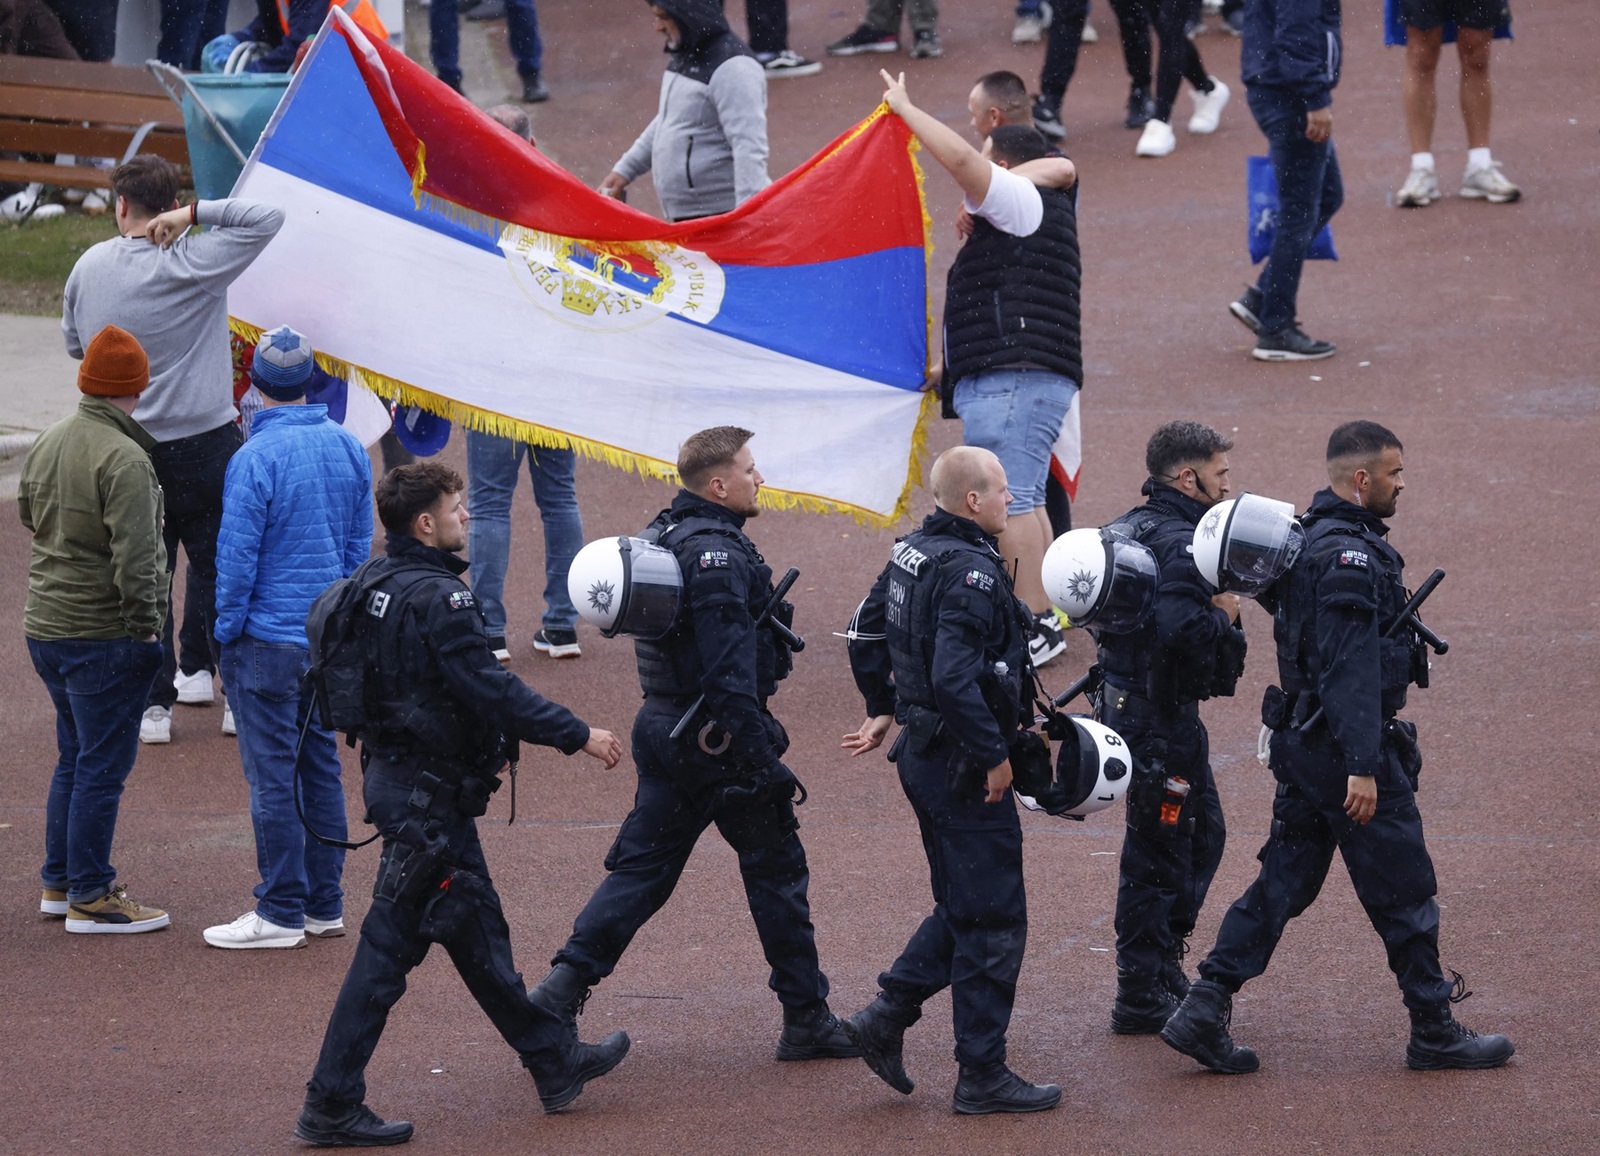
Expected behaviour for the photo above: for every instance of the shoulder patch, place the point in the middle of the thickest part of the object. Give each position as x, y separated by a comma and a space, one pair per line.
978, 580
378, 603
714, 560
461, 600
909, 558
1355, 558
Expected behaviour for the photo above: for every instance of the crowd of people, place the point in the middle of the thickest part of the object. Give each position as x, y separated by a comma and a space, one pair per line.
156, 457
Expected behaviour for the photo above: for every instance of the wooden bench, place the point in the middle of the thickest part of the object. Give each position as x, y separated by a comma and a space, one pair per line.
88, 110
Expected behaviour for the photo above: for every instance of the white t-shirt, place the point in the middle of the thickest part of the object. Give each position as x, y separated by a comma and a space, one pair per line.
1012, 205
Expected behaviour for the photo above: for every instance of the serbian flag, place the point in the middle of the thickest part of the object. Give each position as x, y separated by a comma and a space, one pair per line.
440, 261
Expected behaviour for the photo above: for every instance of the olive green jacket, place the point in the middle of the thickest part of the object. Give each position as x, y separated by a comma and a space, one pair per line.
90, 497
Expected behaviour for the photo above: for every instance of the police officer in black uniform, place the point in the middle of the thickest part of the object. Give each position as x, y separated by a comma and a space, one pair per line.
442, 713
724, 766
1189, 649
941, 645
1346, 767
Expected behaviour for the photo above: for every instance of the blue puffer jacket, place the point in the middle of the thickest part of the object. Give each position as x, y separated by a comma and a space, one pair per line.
1294, 45
296, 516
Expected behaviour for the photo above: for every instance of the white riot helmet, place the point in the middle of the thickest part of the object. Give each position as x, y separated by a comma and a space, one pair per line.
626, 586
1245, 544
1092, 771
1101, 578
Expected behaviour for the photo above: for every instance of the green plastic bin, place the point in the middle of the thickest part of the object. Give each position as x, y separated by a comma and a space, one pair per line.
242, 104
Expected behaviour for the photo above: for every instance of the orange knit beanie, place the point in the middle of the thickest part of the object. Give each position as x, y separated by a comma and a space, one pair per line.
114, 365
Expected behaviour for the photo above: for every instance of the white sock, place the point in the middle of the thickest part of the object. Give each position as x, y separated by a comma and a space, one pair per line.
1422, 161
1478, 159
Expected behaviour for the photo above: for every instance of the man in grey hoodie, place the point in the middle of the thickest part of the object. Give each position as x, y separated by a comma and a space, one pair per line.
707, 145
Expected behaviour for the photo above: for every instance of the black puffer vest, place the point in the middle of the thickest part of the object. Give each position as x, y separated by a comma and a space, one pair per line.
1014, 301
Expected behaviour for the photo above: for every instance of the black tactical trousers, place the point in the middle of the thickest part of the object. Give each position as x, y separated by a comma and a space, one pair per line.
395, 937
974, 940
682, 791
1387, 860
1166, 871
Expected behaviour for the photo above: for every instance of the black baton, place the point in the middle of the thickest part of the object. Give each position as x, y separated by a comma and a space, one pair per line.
1088, 684
1408, 618
786, 636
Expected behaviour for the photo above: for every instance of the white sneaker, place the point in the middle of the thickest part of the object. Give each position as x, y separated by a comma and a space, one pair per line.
156, 726
1157, 140
95, 204
1421, 188
20, 206
250, 930
1090, 36
229, 727
195, 689
1048, 640
324, 928
1489, 184
1030, 29
1208, 107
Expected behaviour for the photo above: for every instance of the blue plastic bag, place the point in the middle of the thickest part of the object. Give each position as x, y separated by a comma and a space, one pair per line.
1394, 28
1263, 216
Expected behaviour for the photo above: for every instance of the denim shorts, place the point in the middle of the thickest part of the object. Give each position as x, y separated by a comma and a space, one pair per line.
1016, 414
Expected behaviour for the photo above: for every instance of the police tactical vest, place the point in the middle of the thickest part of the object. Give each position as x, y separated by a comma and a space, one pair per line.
670, 665
411, 708
1137, 659
1015, 300
1294, 627
914, 568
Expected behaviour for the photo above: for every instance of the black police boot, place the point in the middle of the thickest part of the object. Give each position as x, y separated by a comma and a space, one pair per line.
335, 1125
981, 1091
1143, 1005
560, 1082
814, 1033
1439, 1040
1199, 1028
879, 1031
1173, 977
562, 993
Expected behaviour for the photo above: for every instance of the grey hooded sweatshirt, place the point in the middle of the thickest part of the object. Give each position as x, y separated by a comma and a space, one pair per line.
707, 145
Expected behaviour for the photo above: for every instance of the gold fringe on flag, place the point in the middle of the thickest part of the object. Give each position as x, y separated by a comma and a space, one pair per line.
502, 425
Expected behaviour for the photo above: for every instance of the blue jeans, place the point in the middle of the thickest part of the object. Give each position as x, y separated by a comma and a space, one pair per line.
99, 687
522, 29
299, 876
492, 465
1309, 194
186, 26
1016, 414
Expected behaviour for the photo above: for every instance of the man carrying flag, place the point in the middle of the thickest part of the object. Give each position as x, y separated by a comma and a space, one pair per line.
1012, 353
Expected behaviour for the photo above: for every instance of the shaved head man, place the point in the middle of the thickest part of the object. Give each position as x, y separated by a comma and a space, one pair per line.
940, 644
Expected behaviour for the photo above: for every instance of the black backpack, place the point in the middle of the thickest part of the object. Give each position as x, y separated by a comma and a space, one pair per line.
338, 672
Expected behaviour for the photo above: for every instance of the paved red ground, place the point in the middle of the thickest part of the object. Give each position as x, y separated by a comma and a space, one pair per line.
1469, 329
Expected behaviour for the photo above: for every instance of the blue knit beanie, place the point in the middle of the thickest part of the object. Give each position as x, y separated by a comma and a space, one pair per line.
282, 364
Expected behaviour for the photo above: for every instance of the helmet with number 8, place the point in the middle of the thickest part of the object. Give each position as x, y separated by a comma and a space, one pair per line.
1091, 772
